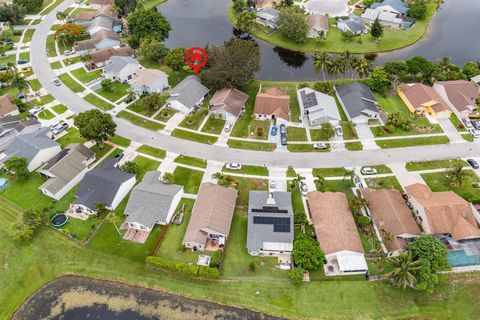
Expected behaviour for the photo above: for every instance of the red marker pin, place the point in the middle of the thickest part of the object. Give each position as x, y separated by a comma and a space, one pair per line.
196, 58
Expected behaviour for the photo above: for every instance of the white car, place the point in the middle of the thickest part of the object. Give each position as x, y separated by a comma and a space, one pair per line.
56, 123
35, 110
60, 128
303, 189
368, 171
474, 132
68, 52
234, 166
228, 127
468, 123
56, 82
272, 186
339, 131
321, 146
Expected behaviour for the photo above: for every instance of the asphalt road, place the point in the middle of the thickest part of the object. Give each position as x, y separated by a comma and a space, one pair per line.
64, 95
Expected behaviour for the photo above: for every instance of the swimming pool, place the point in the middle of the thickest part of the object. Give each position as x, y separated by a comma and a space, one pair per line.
463, 258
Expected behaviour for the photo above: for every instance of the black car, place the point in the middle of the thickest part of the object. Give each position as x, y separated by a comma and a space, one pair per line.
8, 43
476, 124
283, 128
3, 67
22, 61
473, 163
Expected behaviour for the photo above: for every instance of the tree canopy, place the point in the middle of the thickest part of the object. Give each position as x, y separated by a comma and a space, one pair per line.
12, 13
147, 23
246, 21
292, 24
377, 29
70, 32
307, 254
95, 125
126, 6
18, 166
153, 49
175, 59
29, 5
378, 80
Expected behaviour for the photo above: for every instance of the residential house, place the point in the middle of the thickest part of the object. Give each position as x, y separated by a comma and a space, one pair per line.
151, 202
337, 233
7, 108
100, 23
273, 103
121, 69
259, 4
228, 103
101, 57
353, 24
317, 108
86, 17
267, 17
443, 213
270, 225
317, 24
149, 81
392, 217
11, 126
65, 170
99, 40
106, 185
460, 96
101, 3
212, 215
358, 102
386, 18
421, 99
476, 80
35, 146
188, 95
394, 6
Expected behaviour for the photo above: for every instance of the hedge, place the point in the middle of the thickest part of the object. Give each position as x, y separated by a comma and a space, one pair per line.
182, 268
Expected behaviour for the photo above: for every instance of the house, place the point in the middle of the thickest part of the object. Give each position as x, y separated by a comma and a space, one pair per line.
151, 202
86, 17
35, 146
476, 80
460, 96
421, 99
106, 185
99, 40
393, 6
11, 126
100, 23
101, 57
121, 69
391, 216
353, 24
358, 102
101, 3
228, 103
443, 213
259, 4
65, 170
7, 108
212, 215
317, 23
317, 108
336, 233
273, 103
188, 95
270, 225
267, 17
149, 81
386, 18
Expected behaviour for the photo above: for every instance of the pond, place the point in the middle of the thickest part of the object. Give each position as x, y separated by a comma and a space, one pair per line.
453, 32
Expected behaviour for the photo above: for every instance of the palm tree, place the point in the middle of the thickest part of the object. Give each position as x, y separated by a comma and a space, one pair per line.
320, 183
444, 63
358, 204
322, 63
297, 180
217, 176
457, 175
112, 218
361, 67
404, 268
346, 59
62, 15
168, 178
336, 68
19, 82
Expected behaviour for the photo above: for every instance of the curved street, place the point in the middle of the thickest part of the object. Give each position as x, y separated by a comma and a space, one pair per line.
76, 104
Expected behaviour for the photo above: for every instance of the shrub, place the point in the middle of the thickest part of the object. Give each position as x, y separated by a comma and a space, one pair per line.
182, 268
216, 259
252, 267
296, 275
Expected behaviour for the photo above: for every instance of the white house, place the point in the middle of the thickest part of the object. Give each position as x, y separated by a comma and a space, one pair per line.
317, 108
188, 95
120, 68
149, 81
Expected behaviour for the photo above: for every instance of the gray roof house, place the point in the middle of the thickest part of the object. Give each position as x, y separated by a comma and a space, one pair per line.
11, 126
270, 223
121, 68
317, 108
151, 202
101, 39
187, 95
353, 24
268, 17
395, 6
35, 146
358, 102
105, 184
65, 170
100, 23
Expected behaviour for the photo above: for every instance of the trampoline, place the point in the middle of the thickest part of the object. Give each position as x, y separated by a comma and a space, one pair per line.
3, 182
59, 219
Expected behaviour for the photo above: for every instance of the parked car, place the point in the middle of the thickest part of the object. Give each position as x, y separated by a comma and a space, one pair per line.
467, 123
56, 123
68, 52
228, 127
474, 164
283, 128
274, 130
283, 139
368, 171
24, 70
272, 186
127, 100
22, 61
476, 124
20, 96
321, 146
60, 128
234, 166
339, 131
8, 43
303, 189
3, 67
56, 82
35, 110
474, 132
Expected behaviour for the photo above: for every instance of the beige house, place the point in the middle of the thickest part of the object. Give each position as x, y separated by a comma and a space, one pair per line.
7, 108
273, 103
421, 99
460, 96
228, 103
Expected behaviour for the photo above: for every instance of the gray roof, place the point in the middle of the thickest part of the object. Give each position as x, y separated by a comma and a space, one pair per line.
269, 222
101, 184
188, 92
28, 145
117, 63
101, 21
319, 107
355, 24
268, 14
356, 97
150, 200
396, 4
11, 126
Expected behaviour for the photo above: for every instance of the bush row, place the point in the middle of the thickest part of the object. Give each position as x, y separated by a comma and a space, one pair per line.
182, 268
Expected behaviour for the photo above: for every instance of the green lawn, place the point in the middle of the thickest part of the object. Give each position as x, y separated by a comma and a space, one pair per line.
42, 101
467, 137
101, 152
59, 108
245, 185
291, 172
213, 125
70, 83
434, 164
253, 129
56, 65
330, 172
98, 102
34, 84
191, 161
139, 107
297, 203
197, 137
401, 143
194, 120
51, 46
438, 181
121, 141
24, 56
46, 114
118, 91
457, 123
249, 145
339, 185
188, 178
381, 169
384, 183
152, 151
139, 121
165, 114
72, 136
86, 76
28, 35
354, 146
145, 165
317, 135
305, 148
253, 170
296, 134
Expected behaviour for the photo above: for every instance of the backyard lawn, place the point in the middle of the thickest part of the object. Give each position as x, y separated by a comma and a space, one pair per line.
250, 145
253, 170
86, 76
152, 151
213, 125
118, 91
191, 161
70, 83
434, 164
438, 181
141, 122
188, 178
197, 137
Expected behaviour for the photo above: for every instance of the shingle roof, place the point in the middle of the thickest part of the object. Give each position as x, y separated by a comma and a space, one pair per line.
274, 101
228, 99
420, 95
356, 98
396, 4
188, 92
117, 63
460, 93
317, 21
105, 34
354, 24
147, 77
6, 105
333, 222
105, 54
102, 2
101, 22
150, 200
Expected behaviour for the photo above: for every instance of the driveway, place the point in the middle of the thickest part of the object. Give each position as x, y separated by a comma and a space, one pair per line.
366, 136
450, 130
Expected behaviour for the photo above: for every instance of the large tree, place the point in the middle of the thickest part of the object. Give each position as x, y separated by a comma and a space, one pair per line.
17, 166
419, 65
292, 24
417, 10
95, 125
379, 80
153, 101
471, 69
12, 13
69, 32
153, 49
175, 59
147, 23
307, 254
246, 21
126, 6
27, 223
377, 29
29, 5
233, 64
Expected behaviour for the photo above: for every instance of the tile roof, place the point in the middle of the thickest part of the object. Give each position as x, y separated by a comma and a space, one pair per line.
420, 95
6, 105
273, 101
188, 92
229, 99
460, 93
317, 21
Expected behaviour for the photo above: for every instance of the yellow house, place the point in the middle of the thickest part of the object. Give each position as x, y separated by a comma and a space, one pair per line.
420, 99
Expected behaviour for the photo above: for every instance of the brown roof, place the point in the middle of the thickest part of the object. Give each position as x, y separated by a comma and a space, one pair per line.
334, 225
146, 77
317, 20
390, 213
86, 15
461, 93
106, 10
105, 34
6, 105
231, 100
89, 15
102, 2
213, 210
446, 212
421, 95
105, 54
274, 101
84, 45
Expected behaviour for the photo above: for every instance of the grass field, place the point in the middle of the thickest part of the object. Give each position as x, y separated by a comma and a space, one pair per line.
197, 137
188, 178
213, 125
86, 76
72, 136
384, 183
70, 83
354, 146
306, 148
121, 141
191, 161
141, 122
98, 102
152, 151
253, 170
330, 172
249, 145
434, 164
59, 108
46, 114
402, 143
438, 181
296, 134
118, 90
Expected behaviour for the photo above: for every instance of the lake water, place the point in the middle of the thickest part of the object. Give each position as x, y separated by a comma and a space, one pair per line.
453, 32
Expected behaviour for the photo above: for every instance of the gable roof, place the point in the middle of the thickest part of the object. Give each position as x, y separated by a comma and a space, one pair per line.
333, 222
101, 185
317, 21
273, 101
397, 5
151, 200
460, 93
147, 77
188, 92
446, 212
318, 105
353, 24
105, 54
102, 2
101, 22
213, 210
117, 63
6, 105
229, 99
357, 97
105, 10
420, 95
96, 38
268, 14
391, 213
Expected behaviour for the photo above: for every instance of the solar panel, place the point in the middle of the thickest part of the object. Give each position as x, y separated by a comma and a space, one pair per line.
270, 209
279, 224
309, 100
